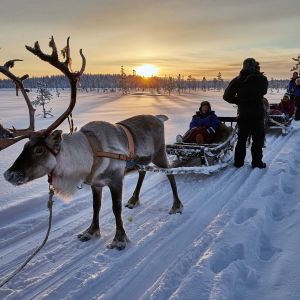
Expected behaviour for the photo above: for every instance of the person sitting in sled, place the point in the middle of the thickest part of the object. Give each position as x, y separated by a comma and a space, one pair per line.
286, 106
202, 127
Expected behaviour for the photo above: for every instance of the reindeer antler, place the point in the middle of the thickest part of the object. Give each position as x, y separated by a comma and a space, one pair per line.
19, 85
64, 67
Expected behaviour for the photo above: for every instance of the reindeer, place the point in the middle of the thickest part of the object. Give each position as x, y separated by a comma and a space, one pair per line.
96, 154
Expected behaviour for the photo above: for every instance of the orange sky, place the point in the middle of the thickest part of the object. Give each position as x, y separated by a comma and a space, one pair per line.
197, 37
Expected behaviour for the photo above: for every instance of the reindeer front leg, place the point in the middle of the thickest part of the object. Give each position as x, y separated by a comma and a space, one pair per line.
120, 240
94, 229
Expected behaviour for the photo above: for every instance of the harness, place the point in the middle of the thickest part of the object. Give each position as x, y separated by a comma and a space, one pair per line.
99, 153
95, 145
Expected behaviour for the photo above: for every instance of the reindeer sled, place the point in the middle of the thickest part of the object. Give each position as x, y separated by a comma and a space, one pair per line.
279, 121
187, 158
276, 119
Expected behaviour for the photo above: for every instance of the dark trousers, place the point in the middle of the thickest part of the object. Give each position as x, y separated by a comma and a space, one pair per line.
255, 128
297, 113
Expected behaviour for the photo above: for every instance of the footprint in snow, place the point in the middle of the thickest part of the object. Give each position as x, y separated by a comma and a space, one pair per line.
293, 171
278, 171
270, 190
277, 212
281, 160
244, 214
265, 249
225, 256
296, 160
287, 187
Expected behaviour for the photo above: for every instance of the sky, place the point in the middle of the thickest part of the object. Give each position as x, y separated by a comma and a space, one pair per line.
191, 37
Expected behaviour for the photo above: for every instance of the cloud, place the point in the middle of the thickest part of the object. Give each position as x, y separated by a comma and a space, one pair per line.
193, 35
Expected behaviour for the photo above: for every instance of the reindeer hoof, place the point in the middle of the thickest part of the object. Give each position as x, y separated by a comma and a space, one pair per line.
132, 203
175, 210
88, 235
119, 245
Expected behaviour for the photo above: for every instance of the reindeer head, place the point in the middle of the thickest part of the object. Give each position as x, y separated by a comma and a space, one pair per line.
38, 156
36, 160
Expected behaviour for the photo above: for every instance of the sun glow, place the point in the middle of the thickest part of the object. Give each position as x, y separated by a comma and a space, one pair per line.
146, 70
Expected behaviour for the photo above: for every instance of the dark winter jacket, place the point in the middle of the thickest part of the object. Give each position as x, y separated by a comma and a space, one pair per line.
291, 87
247, 91
210, 121
297, 91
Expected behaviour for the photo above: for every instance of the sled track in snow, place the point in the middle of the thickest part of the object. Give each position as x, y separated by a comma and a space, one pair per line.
86, 269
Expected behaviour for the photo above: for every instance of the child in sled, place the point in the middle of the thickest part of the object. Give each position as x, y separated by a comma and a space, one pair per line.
202, 127
286, 107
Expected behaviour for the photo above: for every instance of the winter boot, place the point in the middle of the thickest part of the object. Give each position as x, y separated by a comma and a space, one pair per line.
260, 165
238, 164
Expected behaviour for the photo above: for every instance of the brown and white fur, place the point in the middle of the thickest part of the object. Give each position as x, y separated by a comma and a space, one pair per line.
71, 160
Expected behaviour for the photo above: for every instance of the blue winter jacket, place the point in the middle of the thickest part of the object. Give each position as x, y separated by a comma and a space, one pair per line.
210, 121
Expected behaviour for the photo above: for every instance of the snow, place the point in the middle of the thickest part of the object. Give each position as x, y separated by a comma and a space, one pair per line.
237, 238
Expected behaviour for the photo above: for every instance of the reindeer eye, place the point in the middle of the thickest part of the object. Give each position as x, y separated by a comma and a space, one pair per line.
39, 150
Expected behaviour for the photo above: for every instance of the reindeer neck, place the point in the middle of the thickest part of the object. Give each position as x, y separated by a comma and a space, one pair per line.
74, 162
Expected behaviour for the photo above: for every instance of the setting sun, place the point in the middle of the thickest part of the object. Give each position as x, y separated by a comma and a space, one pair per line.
146, 70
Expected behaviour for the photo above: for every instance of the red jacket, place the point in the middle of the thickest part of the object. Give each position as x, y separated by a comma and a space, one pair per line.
287, 107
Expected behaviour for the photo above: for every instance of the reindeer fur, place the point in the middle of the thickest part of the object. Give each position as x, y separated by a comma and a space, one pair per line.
71, 160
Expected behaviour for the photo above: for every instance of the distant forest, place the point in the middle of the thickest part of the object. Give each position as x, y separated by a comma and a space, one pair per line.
128, 83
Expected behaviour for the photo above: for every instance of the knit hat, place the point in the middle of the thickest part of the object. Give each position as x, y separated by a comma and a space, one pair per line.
250, 64
204, 103
286, 95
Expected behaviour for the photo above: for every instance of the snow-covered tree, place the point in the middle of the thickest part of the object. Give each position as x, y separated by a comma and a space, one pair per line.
57, 92
296, 67
123, 82
43, 98
220, 81
179, 83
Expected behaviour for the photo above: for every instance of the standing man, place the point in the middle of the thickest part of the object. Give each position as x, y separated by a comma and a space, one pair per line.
247, 91
292, 86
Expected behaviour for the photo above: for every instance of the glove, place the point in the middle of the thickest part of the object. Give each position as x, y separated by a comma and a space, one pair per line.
210, 130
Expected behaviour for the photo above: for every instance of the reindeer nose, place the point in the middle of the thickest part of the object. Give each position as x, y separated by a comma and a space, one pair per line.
7, 175
13, 177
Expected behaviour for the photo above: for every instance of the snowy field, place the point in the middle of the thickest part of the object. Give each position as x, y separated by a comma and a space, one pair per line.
238, 237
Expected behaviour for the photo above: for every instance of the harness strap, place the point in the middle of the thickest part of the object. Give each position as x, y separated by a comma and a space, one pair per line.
131, 153
95, 145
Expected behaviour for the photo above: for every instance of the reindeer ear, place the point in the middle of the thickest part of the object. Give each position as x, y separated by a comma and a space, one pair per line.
54, 139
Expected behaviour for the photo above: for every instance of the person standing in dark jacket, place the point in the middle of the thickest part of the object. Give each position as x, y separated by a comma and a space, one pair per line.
247, 91
292, 86
297, 99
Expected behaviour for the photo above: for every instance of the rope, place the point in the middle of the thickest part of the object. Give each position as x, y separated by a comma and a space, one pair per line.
50, 204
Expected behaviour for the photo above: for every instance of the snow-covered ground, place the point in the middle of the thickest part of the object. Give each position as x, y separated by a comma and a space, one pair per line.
238, 236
